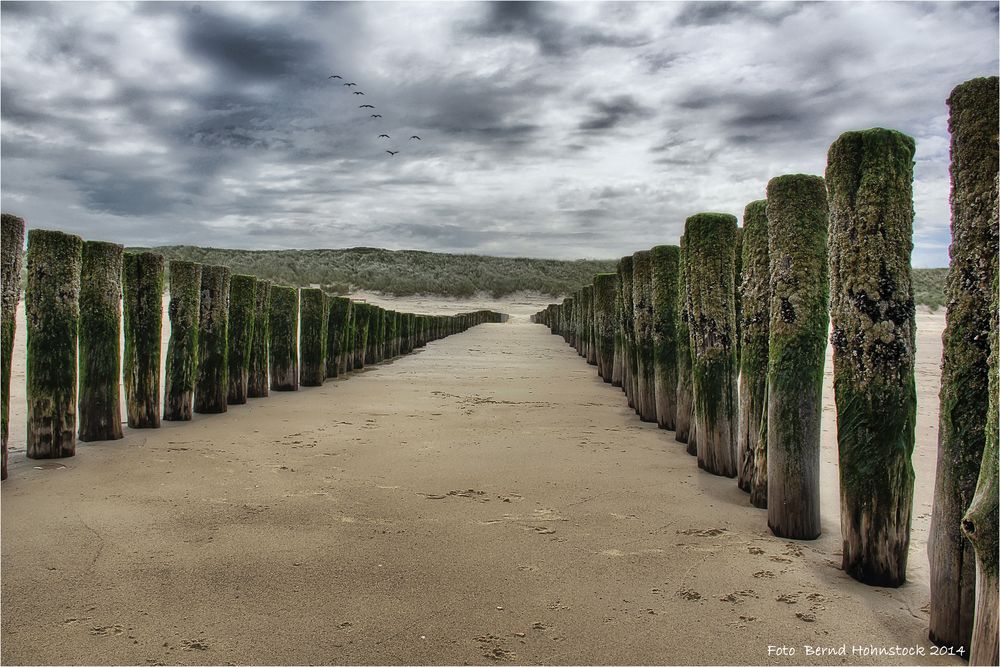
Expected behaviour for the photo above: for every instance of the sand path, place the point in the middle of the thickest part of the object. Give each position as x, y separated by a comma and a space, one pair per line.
485, 499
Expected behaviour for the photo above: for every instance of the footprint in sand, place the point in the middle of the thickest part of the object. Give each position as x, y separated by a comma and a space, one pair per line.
763, 574
689, 594
788, 598
756, 551
808, 618
107, 630
739, 596
493, 648
199, 644
710, 532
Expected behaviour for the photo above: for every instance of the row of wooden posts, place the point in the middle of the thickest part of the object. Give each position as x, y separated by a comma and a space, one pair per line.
722, 339
232, 337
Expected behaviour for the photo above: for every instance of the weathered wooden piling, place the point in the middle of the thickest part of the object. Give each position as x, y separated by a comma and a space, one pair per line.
711, 247
11, 253
642, 302
964, 367
182, 347
869, 180
755, 291
52, 315
617, 365
664, 267
242, 320
363, 317
257, 377
587, 324
980, 523
605, 286
627, 328
346, 363
99, 340
797, 223
685, 402
212, 377
284, 342
312, 339
336, 329
142, 308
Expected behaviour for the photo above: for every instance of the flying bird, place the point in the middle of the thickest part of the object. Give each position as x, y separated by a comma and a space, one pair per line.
350, 84
392, 152
358, 92
336, 76
376, 115
383, 135
366, 106
416, 137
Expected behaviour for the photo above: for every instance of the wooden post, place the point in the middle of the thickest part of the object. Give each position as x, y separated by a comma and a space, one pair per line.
755, 297
257, 378
182, 348
242, 310
964, 376
284, 342
346, 362
664, 264
336, 330
212, 381
312, 341
627, 326
605, 286
142, 305
11, 253
100, 336
363, 316
711, 247
685, 404
869, 180
797, 224
980, 523
642, 302
52, 315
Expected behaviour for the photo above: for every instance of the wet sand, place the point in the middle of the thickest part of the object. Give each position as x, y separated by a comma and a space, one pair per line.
487, 499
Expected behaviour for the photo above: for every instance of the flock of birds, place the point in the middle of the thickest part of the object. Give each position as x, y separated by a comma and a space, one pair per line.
351, 84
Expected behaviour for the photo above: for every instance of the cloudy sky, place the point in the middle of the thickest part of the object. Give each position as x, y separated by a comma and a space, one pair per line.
547, 129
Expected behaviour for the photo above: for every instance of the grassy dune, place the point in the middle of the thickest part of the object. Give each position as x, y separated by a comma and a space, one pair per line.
407, 272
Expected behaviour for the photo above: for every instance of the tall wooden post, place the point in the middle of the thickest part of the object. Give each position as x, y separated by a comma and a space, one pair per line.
212, 380
142, 306
685, 401
242, 310
664, 262
312, 351
257, 378
11, 249
283, 352
182, 348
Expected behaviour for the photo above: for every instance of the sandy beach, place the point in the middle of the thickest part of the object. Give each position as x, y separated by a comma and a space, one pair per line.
486, 499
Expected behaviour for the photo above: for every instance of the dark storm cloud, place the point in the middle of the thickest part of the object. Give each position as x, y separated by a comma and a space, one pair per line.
713, 13
612, 113
544, 24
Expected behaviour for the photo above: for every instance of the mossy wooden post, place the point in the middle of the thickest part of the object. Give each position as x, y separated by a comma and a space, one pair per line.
312, 342
182, 347
711, 248
363, 316
685, 404
336, 330
737, 280
980, 522
569, 306
142, 308
284, 340
587, 323
869, 180
663, 275
211, 387
257, 377
627, 327
100, 336
642, 302
755, 298
617, 366
346, 362
242, 311
964, 378
11, 253
797, 224
52, 315
605, 285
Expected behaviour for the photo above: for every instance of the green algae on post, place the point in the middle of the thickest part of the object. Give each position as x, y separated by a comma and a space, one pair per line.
605, 286
99, 338
797, 224
242, 311
710, 256
211, 387
664, 264
312, 339
257, 372
336, 331
52, 315
642, 303
142, 307
965, 393
11, 246
685, 406
869, 180
627, 325
283, 352
182, 348
755, 311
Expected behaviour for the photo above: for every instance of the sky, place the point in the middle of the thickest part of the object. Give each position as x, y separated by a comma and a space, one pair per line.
563, 130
